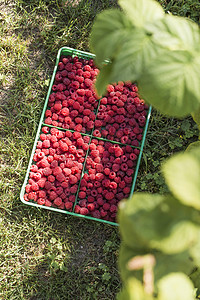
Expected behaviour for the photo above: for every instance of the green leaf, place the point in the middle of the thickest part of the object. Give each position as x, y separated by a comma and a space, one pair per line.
176, 286
134, 290
157, 222
195, 278
165, 264
135, 54
109, 31
125, 254
171, 83
178, 33
194, 145
182, 174
142, 11
196, 117
195, 252
103, 79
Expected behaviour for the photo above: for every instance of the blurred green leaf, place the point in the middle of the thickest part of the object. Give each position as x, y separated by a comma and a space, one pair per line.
171, 83
195, 279
196, 117
142, 12
134, 290
182, 174
103, 79
194, 145
109, 32
175, 286
165, 264
157, 222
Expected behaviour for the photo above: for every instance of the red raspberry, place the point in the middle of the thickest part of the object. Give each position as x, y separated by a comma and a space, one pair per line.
99, 168
82, 195
56, 171
133, 156
113, 185
46, 144
139, 137
109, 195
94, 153
136, 151
94, 193
60, 177
115, 167
110, 88
84, 211
77, 209
100, 201
136, 130
67, 171
104, 101
106, 206
90, 199
128, 179
130, 163
103, 213
32, 196
78, 127
47, 171
61, 66
118, 151
122, 184
88, 82
57, 106
48, 121
113, 208
41, 182
112, 175
99, 176
57, 201
51, 178
106, 171
96, 133
65, 111
90, 124
48, 203
68, 66
68, 205
72, 179
91, 206
126, 190
86, 112
135, 143
37, 176
72, 198
41, 201
96, 214
124, 167
62, 206
52, 195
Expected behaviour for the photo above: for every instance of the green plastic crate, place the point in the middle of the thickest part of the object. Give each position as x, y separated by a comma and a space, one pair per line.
66, 51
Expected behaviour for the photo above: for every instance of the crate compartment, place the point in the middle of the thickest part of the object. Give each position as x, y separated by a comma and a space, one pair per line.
57, 166
71, 194
107, 178
73, 101
121, 115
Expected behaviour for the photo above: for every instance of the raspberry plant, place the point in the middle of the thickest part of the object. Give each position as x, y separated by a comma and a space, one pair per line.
159, 255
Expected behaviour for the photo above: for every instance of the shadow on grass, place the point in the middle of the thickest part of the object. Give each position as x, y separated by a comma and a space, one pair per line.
73, 258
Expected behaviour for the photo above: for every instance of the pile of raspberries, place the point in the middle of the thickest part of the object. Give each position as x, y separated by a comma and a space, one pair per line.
88, 146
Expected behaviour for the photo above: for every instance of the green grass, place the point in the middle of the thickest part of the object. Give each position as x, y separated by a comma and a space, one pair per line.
45, 255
